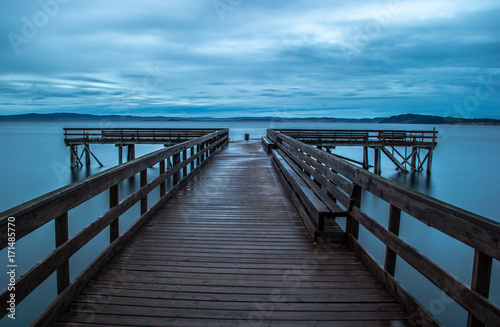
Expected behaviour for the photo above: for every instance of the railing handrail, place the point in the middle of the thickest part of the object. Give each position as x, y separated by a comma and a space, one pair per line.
373, 183
480, 233
351, 130
427, 137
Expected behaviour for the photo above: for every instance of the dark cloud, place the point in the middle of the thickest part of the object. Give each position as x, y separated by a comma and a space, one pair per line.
249, 58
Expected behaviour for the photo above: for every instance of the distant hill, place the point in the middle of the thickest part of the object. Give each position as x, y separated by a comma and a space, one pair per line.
436, 120
400, 119
71, 117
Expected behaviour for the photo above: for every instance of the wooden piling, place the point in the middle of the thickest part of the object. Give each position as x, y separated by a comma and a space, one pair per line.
87, 154
120, 154
377, 164
74, 159
413, 162
429, 160
366, 164
131, 152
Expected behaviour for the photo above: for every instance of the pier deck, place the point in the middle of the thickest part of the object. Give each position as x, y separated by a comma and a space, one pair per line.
231, 242
229, 249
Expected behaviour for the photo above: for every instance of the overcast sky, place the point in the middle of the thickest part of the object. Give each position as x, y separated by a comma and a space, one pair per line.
293, 58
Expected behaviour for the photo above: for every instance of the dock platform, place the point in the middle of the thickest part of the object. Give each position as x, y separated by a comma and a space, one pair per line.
229, 249
232, 234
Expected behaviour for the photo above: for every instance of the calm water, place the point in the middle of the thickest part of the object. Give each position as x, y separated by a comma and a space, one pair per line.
34, 161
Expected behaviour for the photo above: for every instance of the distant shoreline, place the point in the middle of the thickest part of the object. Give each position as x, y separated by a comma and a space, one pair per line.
400, 119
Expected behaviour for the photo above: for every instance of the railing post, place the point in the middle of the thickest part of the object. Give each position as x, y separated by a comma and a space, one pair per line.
352, 225
394, 223
61, 237
191, 153
163, 189
184, 158
114, 227
144, 200
481, 277
176, 159
198, 160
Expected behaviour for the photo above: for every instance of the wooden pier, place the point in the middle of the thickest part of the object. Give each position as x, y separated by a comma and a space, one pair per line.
229, 249
232, 243
413, 149
123, 137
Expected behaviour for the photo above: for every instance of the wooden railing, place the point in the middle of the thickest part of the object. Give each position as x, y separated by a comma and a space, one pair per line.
132, 135
364, 137
481, 234
55, 206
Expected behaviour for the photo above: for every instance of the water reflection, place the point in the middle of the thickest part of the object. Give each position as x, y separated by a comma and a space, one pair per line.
419, 181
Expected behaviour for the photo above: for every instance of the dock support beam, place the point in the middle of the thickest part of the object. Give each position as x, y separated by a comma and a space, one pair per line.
394, 160
366, 165
377, 165
131, 152
120, 153
74, 159
413, 163
429, 160
87, 153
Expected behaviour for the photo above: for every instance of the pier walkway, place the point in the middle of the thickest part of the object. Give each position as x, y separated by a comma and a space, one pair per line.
242, 234
229, 249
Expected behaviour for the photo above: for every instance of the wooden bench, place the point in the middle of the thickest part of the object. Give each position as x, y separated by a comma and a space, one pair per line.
316, 208
267, 144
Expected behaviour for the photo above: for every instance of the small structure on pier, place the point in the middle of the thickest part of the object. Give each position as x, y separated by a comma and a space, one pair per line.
123, 137
405, 149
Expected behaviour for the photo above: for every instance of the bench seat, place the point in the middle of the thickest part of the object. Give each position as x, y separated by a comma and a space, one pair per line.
317, 209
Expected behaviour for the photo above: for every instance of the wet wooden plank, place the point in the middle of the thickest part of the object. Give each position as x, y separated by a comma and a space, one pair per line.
230, 249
